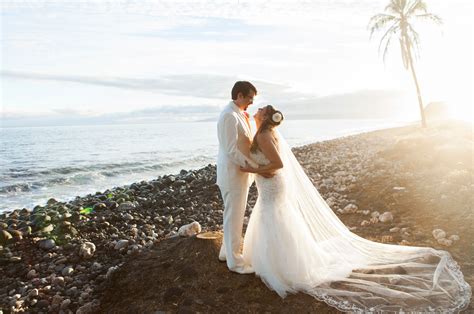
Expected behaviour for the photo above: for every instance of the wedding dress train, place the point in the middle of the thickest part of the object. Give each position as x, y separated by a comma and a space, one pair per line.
295, 243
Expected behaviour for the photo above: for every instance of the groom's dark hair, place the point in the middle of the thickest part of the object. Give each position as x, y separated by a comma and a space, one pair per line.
243, 87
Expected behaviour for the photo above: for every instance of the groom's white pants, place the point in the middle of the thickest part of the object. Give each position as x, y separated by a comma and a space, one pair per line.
235, 202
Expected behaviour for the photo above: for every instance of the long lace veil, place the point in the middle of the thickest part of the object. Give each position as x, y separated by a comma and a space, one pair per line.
365, 276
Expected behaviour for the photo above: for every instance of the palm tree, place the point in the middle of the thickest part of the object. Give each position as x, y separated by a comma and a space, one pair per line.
397, 21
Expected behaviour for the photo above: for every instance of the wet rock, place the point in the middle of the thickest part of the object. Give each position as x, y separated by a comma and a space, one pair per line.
46, 244
87, 250
127, 216
67, 271
33, 293
387, 239
125, 206
48, 228
374, 220
375, 214
84, 295
5, 236
96, 266
399, 188
31, 274
59, 281
99, 206
121, 244
15, 259
386, 217
445, 242
51, 201
27, 230
454, 237
110, 271
439, 234
17, 235
73, 291
189, 229
65, 304
331, 201
350, 208
57, 300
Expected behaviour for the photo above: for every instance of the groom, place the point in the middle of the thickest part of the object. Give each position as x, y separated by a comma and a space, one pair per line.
235, 136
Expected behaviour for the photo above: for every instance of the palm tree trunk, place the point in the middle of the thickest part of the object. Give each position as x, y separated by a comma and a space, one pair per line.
418, 92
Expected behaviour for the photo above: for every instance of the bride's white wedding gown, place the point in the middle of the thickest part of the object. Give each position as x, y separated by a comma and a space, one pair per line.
296, 243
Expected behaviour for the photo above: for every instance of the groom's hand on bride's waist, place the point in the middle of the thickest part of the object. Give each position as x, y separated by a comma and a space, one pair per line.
267, 174
247, 168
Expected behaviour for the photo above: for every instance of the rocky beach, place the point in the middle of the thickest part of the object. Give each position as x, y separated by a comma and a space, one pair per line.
118, 250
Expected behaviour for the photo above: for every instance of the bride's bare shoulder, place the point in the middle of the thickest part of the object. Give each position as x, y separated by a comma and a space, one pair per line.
267, 136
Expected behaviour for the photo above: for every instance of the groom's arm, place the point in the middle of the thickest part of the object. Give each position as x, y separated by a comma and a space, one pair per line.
230, 137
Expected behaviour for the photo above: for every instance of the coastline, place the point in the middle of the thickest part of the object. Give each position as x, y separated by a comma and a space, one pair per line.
78, 172
361, 176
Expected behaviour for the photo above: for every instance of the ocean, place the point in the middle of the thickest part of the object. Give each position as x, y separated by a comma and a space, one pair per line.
38, 163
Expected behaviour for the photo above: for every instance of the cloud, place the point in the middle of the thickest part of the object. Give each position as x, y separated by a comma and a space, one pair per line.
365, 104
74, 112
376, 104
20, 114
206, 30
63, 117
196, 85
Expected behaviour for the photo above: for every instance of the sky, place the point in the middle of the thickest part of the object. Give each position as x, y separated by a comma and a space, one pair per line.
130, 61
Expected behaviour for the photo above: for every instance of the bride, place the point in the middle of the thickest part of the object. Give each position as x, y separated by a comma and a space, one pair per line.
295, 243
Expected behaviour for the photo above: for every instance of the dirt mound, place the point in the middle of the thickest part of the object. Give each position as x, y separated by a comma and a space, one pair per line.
184, 274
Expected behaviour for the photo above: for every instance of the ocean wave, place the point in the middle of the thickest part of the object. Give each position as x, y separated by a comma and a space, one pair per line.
24, 173
15, 188
31, 186
79, 176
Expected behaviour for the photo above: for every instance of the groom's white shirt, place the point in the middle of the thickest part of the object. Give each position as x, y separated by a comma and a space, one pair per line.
235, 136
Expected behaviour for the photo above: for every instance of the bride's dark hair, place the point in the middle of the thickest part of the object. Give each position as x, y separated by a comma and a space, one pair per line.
267, 124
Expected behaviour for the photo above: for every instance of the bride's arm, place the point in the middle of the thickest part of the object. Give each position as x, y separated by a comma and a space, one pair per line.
267, 145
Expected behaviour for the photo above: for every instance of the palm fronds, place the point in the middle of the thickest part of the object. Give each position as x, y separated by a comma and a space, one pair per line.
416, 6
379, 21
430, 17
396, 21
387, 37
